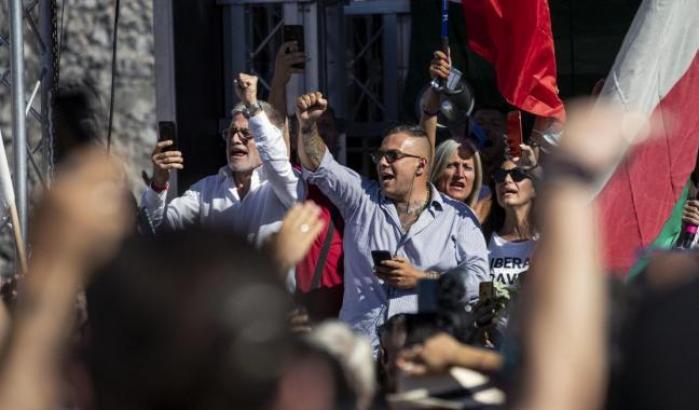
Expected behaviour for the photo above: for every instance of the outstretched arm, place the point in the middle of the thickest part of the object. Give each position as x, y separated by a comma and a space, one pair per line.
288, 57
429, 103
309, 108
270, 144
565, 339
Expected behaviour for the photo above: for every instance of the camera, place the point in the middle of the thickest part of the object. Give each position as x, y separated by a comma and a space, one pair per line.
445, 300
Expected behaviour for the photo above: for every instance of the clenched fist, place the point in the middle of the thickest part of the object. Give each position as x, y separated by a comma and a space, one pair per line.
246, 88
309, 107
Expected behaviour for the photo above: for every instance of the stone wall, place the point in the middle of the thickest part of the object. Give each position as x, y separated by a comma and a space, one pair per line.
86, 51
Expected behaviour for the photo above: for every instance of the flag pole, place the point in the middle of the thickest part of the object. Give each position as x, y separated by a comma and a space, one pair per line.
19, 241
7, 195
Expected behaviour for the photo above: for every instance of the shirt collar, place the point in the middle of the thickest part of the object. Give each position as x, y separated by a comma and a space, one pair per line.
257, 176
436, 199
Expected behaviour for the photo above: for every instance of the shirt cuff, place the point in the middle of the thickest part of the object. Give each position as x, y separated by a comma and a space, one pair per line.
152, 198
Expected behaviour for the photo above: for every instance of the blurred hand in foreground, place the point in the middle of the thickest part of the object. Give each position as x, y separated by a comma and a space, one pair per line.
85, 214
300, 227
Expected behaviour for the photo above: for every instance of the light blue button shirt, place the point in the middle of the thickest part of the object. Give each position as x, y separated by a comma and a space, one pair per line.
445, 236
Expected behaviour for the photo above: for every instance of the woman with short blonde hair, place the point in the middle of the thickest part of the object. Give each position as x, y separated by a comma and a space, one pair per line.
457, 171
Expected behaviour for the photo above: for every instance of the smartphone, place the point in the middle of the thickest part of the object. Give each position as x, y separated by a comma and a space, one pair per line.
380, 256
168, 131
294, 32
486, 291
514, 133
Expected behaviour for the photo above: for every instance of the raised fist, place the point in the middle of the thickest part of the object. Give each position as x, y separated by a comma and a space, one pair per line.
246, 88
309, 107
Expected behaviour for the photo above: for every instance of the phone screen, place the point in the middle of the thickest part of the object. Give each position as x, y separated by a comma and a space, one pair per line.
514, 133
168, 131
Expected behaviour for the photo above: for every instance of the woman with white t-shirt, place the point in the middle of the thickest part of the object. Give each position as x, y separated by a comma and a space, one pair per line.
513, 237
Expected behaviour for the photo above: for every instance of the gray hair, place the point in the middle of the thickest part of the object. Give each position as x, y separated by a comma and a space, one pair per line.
354, 354
441, 159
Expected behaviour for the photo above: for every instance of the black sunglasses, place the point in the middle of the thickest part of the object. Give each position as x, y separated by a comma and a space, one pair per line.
228, 132
391, 155
516, 174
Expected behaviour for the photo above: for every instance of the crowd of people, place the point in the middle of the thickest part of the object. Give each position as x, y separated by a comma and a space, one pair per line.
289, 281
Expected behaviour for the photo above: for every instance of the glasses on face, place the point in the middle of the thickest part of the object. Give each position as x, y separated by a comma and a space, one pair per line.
391, 155
229, 132
516, 174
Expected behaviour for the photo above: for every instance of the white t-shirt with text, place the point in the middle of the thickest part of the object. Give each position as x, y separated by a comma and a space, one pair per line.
509, 258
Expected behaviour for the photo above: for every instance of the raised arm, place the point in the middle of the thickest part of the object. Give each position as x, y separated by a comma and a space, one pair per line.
309, 108
270, 144
73, 231
343, 186
565, 340
284, 66
429, 103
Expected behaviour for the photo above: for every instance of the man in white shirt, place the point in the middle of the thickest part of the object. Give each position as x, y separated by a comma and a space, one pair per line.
251, 194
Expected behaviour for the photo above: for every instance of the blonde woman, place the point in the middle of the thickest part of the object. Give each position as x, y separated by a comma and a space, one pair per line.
457, 172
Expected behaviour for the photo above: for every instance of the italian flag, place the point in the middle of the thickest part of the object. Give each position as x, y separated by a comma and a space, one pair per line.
656, 73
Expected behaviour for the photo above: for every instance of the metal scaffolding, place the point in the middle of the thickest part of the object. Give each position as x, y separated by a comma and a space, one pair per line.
359, 58
45, 35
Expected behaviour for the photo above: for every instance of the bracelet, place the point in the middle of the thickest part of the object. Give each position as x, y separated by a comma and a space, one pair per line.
430, 274
251, 110
159, 189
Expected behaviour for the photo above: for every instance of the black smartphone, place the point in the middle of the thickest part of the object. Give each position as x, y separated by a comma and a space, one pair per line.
168, 131
486, 291
380, 256
294, 32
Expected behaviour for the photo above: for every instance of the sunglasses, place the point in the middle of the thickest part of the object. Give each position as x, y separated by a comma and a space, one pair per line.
516, 174
391, 155
229, 132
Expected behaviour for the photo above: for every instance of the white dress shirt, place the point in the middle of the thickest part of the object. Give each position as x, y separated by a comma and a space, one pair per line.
215, 200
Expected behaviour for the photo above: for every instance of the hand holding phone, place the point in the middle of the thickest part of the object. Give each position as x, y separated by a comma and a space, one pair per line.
295, 33
167, 131
379, 256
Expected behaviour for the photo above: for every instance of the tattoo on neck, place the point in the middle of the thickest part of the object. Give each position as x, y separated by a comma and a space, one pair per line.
409, 213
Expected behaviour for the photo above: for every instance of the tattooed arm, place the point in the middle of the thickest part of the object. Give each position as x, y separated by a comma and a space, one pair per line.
309, 108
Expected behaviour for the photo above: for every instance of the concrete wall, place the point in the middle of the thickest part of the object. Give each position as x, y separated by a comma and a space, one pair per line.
86, 52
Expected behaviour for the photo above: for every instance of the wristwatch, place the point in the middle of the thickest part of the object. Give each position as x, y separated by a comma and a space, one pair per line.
252, 109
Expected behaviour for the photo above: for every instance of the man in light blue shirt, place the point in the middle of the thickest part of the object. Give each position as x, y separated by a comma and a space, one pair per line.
403, 213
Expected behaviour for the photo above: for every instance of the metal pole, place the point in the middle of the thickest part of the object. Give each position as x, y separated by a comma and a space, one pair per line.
19, 135
49, 74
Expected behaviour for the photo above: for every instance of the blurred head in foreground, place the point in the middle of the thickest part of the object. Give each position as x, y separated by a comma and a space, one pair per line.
176, 322
78, 117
